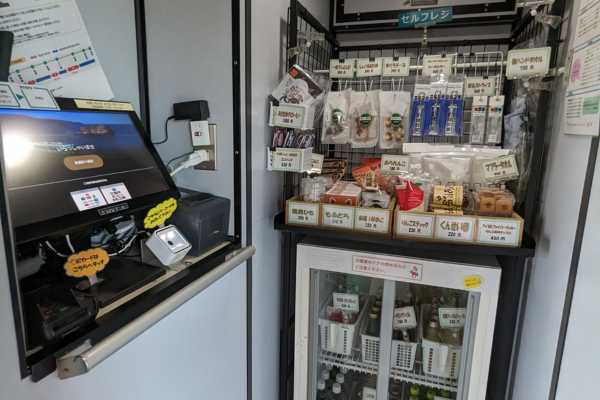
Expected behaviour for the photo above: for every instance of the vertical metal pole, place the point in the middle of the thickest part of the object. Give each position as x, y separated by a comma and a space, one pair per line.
385, 339
468, 347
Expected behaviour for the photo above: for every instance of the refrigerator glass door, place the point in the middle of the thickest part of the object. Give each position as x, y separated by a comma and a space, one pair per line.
432, 320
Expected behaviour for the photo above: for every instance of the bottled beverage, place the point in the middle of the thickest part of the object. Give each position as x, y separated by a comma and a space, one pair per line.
373, 325
338, 394
432, 331
414, 393
375, 310
321, 392
452, 337
325, 375
430, 394
445, 394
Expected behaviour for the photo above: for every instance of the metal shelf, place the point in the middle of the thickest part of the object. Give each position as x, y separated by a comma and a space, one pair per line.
387, 242
355, 363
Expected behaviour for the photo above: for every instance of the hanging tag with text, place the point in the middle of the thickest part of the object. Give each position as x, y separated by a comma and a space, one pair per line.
501, 169
404, 318
452, 318
346, 302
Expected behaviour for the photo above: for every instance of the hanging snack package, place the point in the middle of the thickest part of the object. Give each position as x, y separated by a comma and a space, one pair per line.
336, 126
297, 87
452, 115
393, 118
364, 109
478, 119
417, 111
433, 112
494, 120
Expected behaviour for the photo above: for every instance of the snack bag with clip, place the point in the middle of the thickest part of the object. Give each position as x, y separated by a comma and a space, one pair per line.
393, 123
336, 126
364, 109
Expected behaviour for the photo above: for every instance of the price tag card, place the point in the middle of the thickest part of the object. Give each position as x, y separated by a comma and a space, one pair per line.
316, 163
392, 164
86, 263
418, 225
303, 213
499, 231
103, 105
473, 282
396, 66
373, 220
287, 116
525, 63
287, 160
346, 302
455, 228
335, 216
369, 393
366, 67
480, 86
501, 169
342, 68
404, 318
158, 215
452, 318
437, 64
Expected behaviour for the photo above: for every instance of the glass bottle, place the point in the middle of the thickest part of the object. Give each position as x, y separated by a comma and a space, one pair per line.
414, 393
373, 325
321, 393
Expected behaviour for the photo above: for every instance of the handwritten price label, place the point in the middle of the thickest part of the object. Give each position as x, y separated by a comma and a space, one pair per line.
452, 318
160, 214
405, 318
86, 263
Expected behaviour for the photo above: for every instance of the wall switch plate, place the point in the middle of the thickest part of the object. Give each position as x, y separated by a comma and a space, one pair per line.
211, 163
200, 133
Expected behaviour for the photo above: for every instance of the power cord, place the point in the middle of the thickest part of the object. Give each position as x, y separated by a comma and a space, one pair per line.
166, 131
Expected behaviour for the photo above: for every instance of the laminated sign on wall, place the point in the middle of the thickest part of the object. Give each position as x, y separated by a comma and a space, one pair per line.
582, 103
53, 49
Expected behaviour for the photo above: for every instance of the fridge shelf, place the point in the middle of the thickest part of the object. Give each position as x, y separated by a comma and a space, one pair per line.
354, 363
526, 250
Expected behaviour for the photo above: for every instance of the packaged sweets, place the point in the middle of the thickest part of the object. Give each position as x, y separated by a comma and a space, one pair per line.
393, 124
433, 112
297, 87
336, 126
478, 119
367, 175
494, 202
344, 193
452, 115
417, 115
494, 120
364, 109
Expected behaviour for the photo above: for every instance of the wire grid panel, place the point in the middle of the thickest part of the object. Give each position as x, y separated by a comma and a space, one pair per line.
313, 58
469, 61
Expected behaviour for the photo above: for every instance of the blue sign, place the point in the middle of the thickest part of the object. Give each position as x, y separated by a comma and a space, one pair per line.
424, 17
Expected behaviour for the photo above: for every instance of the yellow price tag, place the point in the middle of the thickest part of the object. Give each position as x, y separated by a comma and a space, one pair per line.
86, 263
473, 282
160, 214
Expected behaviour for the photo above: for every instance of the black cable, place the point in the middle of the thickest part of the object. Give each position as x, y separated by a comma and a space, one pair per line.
166, 131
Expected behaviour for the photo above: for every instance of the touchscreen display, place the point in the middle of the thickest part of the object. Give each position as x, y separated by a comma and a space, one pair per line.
64, 162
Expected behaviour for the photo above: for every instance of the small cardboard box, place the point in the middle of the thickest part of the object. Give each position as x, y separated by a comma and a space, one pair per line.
375, 220
337, 216
498, 231
299, 212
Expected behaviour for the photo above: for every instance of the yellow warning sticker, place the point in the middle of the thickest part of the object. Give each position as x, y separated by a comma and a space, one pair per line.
473, 282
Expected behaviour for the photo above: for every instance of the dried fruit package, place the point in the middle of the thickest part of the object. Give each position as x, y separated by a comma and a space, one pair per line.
364, 120
393, 125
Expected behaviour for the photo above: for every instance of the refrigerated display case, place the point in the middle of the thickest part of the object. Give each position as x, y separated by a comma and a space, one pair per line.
432, 318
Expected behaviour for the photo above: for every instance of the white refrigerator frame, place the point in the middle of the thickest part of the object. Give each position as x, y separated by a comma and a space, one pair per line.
481, 281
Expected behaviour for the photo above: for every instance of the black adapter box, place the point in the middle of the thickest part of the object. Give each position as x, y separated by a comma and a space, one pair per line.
203, 219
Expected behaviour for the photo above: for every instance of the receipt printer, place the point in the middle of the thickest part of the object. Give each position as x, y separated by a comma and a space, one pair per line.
203, 219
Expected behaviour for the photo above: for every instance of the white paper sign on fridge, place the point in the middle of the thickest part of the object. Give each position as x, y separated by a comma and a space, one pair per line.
53, 49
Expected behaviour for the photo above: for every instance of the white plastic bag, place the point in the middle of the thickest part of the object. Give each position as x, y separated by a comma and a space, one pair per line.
393, 118
364, 118
336, 124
